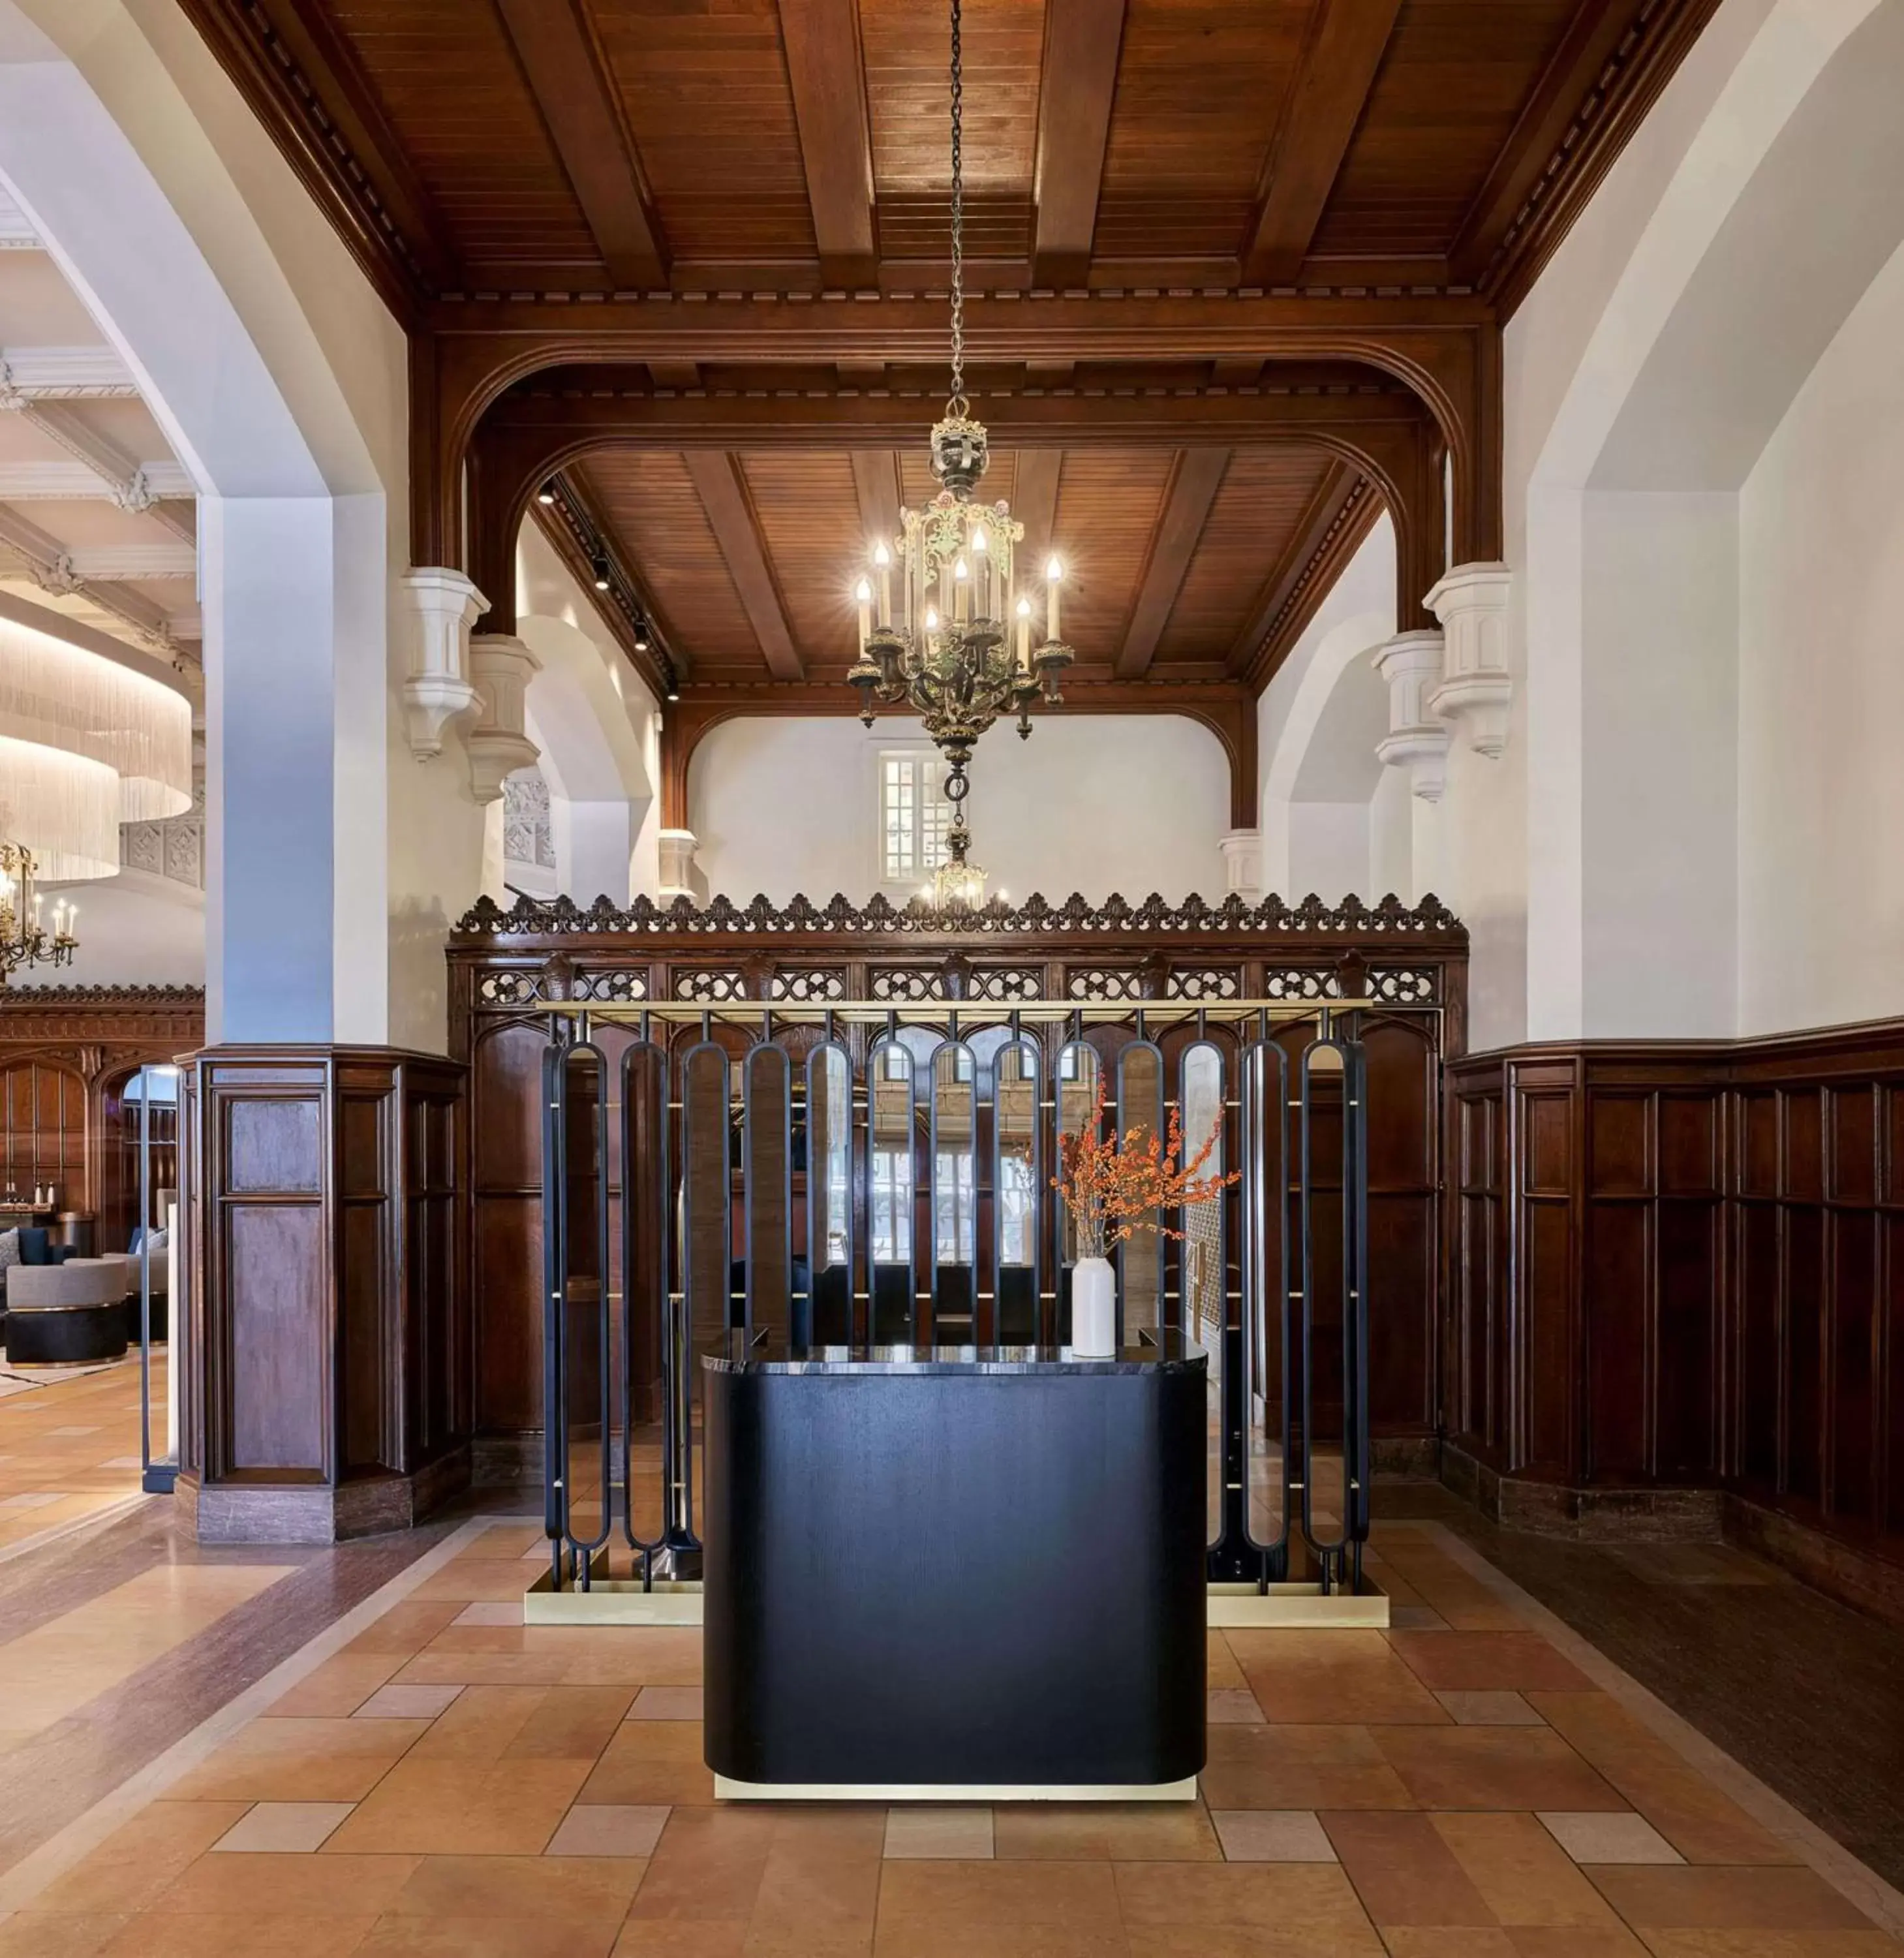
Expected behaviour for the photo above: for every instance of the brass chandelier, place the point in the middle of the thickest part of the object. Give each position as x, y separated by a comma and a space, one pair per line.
955, 641
24, 940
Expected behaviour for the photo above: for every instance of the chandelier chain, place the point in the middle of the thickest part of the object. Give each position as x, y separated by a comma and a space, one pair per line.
957, 406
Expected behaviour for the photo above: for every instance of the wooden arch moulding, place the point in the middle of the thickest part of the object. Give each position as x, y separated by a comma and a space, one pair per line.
1446, 351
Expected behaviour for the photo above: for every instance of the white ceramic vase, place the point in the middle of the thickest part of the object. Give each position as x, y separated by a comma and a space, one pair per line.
1094, 1309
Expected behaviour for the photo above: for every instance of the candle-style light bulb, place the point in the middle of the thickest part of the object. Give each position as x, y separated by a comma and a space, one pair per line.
883, 564
931, 619
982, 575
961, 591
1054, 575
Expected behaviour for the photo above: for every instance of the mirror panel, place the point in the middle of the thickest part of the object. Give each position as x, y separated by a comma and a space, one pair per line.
891, 1183
1141, 1108
955, 1196
706, 1171
1015, 1194
830, 1194
767, 1166
585, 1295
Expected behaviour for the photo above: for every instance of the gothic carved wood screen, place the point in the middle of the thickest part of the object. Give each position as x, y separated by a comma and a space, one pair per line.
507, 969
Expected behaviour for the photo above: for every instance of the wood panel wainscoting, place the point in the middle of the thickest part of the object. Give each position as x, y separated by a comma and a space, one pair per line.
67, 1053
508, 968
1676, 1290
328, 1391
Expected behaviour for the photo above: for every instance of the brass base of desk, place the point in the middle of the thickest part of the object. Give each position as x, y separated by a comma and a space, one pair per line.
727, 1789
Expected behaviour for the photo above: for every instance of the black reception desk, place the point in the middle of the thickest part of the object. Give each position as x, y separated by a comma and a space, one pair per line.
930, 1572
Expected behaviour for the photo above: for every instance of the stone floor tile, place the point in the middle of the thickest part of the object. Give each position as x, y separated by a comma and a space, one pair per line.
1705, 1897
1593, 1838
285, 1827
488, 1612
1492, 1767
575, 1889
1137, 1832
34, 1935
950, 1835
407, 1703
1523, 1874
1233, 1705
666, 1703
608, 1829
1476, 1707
455, 1807
977, 1896
254, 1933
1314, 1899
1403, 1872
1478, 1662
653, 1762
1272, 1835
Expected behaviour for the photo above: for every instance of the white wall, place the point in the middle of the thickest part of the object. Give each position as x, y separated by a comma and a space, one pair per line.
599, 727
1317, 722
135, 929
335, 863
1091, 803
1821, 689
1639, 861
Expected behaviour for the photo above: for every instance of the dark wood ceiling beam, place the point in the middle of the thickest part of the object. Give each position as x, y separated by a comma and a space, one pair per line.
566, 75
875, 482
1079, 80
1604, 75
565, 540
718, 480
1346, 41
1311, 530
1034, 502
302, 81
1196, 474
861, 421
827, 70
675, 373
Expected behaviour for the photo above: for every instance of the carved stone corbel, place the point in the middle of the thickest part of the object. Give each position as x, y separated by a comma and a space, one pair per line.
446, 605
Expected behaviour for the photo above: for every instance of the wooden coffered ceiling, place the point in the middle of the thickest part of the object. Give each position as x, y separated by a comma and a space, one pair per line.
535, 146
1236, 268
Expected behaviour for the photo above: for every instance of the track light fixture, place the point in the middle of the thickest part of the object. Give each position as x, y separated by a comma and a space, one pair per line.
546, 494
601, 572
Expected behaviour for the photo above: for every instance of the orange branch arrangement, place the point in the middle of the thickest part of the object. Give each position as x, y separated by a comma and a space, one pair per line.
1115, 1186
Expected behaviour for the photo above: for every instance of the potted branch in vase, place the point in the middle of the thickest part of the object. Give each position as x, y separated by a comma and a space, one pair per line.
1116, 1187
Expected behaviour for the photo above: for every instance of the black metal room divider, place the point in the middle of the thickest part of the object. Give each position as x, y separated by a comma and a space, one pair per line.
851, 1177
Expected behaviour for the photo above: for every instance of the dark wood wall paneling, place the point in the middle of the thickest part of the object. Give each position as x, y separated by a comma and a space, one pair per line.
66, 1052
332, 1386
1676, 1266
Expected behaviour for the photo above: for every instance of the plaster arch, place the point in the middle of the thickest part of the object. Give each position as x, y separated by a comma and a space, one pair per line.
282, 383
1726, 252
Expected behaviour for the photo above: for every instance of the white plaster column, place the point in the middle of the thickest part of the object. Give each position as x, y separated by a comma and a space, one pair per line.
677, 864
1476, 686
438, 689
1411, 664
1243, 863
297, 909
498, 743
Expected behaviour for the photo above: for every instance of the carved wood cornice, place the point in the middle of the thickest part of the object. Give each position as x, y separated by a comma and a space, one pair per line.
130, 1022
1429, 923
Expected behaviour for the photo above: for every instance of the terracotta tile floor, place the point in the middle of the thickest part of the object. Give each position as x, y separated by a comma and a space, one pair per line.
69, 1444
448, 1782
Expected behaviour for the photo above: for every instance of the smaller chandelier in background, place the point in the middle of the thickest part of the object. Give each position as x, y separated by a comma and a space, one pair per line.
24, 939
